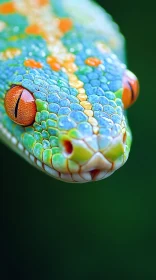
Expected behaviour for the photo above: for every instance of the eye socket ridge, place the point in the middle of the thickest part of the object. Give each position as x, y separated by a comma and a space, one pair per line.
20, 105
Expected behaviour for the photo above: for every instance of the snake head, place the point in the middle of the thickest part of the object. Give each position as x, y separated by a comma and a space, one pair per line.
75, 135
64, 89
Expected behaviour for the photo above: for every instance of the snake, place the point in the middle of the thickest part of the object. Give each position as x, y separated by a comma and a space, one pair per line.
65, 88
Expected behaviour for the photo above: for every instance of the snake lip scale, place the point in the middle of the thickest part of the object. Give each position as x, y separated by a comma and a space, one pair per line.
65, 88
81, 177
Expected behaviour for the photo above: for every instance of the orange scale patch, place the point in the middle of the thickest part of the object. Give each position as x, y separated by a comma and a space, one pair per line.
42, 2
7, 8
32, 63
65, 24
54, 63
34, 29
93, 61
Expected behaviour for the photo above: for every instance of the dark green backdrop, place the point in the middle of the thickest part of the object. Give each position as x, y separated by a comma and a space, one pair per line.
105, 230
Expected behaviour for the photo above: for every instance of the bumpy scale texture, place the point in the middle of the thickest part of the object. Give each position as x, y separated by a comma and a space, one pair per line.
70, 56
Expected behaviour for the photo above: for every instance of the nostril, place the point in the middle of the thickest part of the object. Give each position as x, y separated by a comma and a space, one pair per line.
68, 147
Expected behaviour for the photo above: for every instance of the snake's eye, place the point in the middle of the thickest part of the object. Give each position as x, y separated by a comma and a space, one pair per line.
130, 89
20, 106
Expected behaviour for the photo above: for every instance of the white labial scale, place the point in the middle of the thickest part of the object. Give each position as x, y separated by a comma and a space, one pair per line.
66, 177
101, 175
4, 131
26, 152
51, 171
39, 163
32, 158
86, 176
8, 135
14, 140
77, 178
20, 146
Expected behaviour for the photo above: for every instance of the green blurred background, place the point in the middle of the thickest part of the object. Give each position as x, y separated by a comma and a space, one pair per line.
105, 230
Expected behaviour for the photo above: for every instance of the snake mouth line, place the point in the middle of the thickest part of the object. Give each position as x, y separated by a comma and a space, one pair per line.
81, 177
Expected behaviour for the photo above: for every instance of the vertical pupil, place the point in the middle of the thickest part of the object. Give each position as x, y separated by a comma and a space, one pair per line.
131, 88
17, 104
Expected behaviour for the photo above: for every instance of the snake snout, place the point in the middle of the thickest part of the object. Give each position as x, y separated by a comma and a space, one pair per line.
94, 157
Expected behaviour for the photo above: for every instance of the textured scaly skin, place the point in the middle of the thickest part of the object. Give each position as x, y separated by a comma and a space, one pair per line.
76, 102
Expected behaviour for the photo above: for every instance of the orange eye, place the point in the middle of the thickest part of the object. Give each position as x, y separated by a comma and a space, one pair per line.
20, 106
130, 89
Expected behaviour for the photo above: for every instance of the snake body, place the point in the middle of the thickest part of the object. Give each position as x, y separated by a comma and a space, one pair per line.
69, 57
